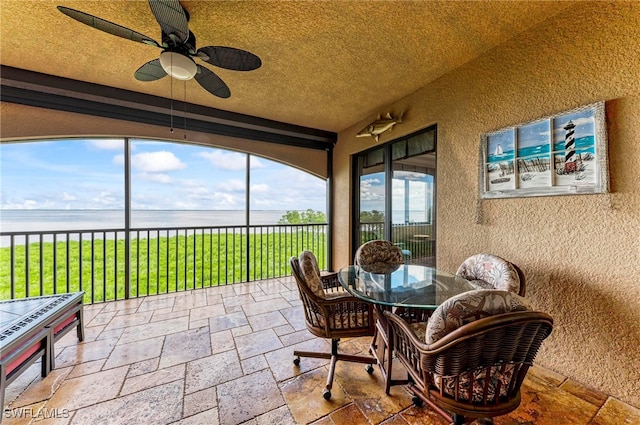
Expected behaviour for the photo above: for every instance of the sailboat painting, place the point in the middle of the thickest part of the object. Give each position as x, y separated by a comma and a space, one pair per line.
500, 166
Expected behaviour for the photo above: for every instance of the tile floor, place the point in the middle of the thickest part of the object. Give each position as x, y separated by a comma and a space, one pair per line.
224, 356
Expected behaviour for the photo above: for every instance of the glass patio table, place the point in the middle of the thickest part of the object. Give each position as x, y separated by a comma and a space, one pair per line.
412, 291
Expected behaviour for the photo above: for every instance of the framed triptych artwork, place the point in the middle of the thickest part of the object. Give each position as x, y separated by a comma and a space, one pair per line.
558, 155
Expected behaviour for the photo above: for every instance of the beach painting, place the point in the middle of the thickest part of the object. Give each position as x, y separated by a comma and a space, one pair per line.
562, 154
534, 155
574, 149
500, 155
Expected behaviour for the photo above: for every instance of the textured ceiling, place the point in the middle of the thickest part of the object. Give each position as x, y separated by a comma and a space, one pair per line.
326, 64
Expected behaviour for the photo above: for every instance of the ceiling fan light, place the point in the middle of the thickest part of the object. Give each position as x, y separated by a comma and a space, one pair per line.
178, 66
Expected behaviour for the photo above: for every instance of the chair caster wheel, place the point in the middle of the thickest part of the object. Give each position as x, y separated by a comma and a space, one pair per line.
296, 361
417, 401
326, 394
369, 369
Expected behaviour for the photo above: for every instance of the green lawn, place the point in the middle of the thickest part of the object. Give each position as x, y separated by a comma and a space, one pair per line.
158, 265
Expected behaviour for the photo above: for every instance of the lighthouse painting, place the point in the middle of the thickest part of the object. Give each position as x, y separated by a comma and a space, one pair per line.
561, 154
575, 149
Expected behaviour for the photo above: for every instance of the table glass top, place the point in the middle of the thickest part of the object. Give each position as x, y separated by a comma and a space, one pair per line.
407, 286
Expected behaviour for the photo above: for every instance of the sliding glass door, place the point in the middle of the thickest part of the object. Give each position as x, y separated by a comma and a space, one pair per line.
395, 199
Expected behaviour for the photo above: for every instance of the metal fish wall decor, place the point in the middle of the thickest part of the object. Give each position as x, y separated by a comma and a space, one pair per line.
380, 125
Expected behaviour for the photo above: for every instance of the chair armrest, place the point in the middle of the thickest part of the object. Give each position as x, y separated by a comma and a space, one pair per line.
409, 349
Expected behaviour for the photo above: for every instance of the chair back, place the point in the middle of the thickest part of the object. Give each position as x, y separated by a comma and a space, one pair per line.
479, 349
470, 306
378, 256
489, 271
333, 315
485, 341
308, 268
478, 369
313, 312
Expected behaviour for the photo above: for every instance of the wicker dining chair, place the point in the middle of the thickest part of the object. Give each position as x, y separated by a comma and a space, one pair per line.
489, 271
331, 313
378, 256
472, 359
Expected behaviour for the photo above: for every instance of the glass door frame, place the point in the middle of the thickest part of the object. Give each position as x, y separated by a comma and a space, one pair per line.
388, 182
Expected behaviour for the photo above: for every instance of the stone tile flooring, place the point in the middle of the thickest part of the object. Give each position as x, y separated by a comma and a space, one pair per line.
224, 355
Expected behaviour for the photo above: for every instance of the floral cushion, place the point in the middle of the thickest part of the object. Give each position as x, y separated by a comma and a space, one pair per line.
378, 256
498, 375
350, 320
469, 306
490, 272
311, 272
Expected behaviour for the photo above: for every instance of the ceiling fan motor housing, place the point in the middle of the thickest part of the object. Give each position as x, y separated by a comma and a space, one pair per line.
178, 65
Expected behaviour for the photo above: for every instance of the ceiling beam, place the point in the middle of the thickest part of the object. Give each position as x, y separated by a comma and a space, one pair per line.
52, 92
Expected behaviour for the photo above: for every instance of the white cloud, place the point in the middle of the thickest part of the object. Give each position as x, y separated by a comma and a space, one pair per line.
155, 177
230, 160
106, 199
156, 162
107, 144
27, 204
200, 190
233, 185
67, 197
259, 188
369, 182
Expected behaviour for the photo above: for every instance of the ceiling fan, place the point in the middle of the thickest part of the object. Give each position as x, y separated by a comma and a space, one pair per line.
179, 48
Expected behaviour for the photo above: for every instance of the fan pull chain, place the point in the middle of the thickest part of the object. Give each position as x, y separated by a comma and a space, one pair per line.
185, 110
171, 96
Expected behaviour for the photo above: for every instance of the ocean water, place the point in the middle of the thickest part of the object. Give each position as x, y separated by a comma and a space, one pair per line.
583, 144
51, 220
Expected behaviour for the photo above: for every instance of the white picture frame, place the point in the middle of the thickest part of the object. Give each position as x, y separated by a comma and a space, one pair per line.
562, 154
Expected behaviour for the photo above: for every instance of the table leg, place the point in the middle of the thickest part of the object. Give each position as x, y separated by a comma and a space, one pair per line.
382, 349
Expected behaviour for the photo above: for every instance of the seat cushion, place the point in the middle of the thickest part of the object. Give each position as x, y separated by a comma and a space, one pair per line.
311, 272
495, 374
469, 306
344, 321
490, 271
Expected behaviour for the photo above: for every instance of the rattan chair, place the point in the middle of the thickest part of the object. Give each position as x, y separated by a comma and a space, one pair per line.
489, 271
474, 355
378, 256
330, 312
382, 256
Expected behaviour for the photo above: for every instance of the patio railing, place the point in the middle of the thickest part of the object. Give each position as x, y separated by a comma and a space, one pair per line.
415, 239
113, 264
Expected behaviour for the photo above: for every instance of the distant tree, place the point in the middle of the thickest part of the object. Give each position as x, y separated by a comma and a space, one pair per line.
303, 217
374, 216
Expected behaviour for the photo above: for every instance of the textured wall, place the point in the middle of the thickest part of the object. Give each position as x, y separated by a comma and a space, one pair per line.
581, 254
27, 122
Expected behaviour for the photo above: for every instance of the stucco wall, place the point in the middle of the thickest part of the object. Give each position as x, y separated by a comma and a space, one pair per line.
581, 254
27, 122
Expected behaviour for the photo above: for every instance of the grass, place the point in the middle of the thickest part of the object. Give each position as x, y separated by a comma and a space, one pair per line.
157, 265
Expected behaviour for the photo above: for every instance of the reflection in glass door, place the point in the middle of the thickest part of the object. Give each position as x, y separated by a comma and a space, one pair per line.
396, 193
371, 175
413, 200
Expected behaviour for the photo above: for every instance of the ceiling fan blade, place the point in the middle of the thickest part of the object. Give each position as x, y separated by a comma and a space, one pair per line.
106, 26
212, 83
229, 58
150, 71
171, 17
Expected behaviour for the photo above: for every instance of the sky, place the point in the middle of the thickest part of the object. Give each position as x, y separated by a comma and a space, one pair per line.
537, 133
89, 174
584, 120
